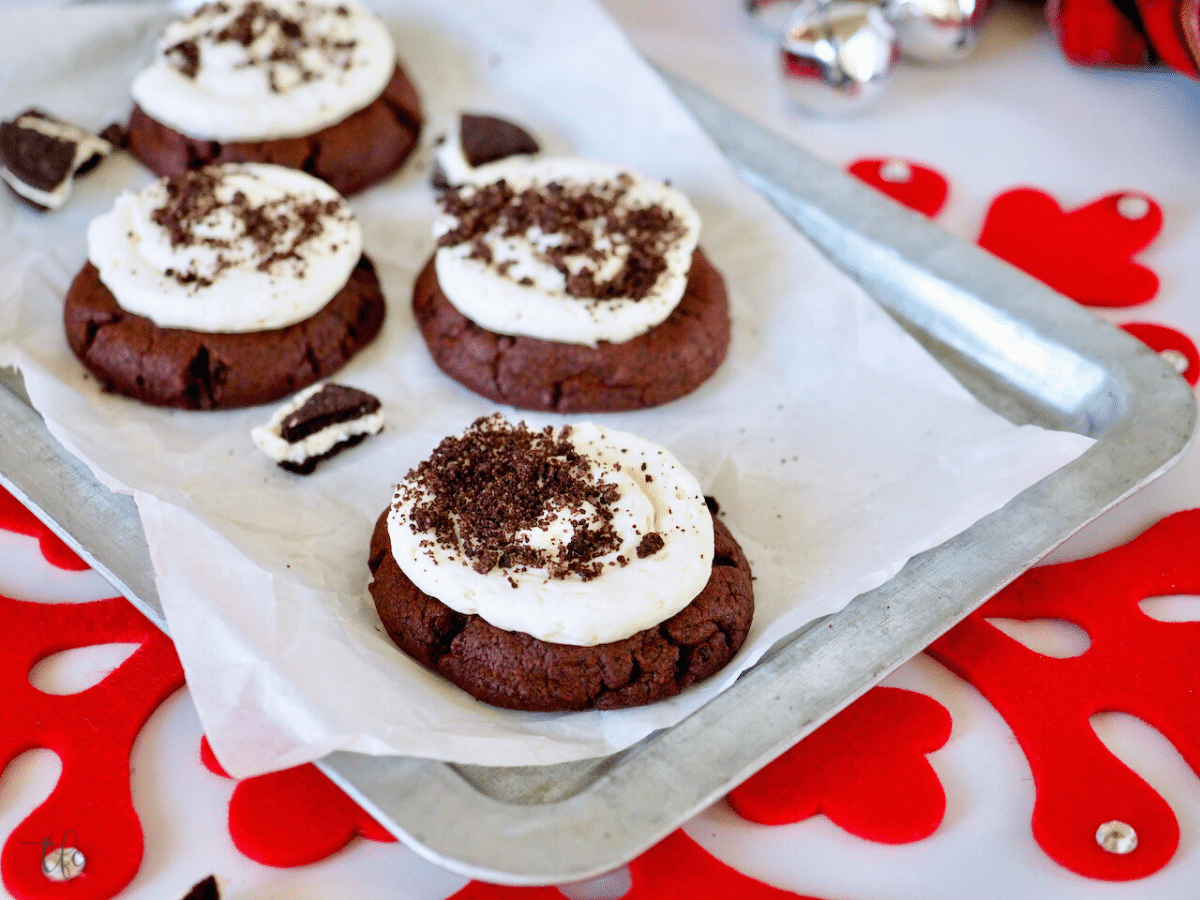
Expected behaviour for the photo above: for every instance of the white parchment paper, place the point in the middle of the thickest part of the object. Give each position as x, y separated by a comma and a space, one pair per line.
836, 447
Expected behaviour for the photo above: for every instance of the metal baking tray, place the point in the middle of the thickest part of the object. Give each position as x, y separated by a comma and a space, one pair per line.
1025, 351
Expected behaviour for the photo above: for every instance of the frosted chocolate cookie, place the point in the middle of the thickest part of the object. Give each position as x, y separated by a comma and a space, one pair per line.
307, 84
572, 286
563, 569
319, 422
224, 287
40, 156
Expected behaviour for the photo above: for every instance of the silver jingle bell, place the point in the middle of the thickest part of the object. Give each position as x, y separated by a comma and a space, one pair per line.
837, 54
936, 31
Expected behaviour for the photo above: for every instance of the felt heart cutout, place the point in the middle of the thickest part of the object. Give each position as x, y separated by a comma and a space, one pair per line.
90, 811
865, 769
16, 518
1135, 664
917, 187
293, 817
1085, 253
1183, 354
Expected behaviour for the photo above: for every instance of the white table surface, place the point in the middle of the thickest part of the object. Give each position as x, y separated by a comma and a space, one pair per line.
1012, 114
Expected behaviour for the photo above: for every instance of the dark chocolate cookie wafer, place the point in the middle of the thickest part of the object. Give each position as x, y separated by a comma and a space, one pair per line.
667, 362
516, 671
177, 367
353, 154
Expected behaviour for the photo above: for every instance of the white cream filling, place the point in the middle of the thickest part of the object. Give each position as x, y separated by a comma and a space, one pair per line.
495, 298
134, 255
232, 98
663, 498
87, 145
267, 437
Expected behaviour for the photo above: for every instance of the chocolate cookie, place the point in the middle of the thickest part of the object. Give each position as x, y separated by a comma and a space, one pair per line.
670, 360
353, 154
516, 671
186, 369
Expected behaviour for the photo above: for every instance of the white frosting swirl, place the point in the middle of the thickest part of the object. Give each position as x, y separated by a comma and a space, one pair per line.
241, 70
225, 277
656, 495
512, 288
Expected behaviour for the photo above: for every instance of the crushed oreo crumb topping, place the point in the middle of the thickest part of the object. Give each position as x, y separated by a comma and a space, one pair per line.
478, 492
650, 544
585, 216
275, 231
279, 43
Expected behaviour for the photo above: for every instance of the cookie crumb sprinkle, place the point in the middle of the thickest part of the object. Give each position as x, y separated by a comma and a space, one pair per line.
484, 492
576, 229
283, 45
274, 230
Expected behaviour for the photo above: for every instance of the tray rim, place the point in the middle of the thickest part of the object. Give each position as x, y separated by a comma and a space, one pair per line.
572, 838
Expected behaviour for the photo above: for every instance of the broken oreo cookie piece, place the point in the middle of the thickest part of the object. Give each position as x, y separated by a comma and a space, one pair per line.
204, 890
485, 139
318, 423
40, 155
479, 140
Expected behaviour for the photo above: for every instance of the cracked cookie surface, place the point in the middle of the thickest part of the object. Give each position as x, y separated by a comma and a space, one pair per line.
516, 671
351, 155
670, 360
186, 369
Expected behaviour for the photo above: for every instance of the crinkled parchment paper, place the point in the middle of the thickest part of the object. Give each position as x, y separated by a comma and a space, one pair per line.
836, 447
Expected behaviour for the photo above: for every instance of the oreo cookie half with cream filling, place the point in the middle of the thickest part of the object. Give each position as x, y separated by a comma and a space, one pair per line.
563, 569
307, 84
224, 287
319, 422
573, 286
40, 156
475, 141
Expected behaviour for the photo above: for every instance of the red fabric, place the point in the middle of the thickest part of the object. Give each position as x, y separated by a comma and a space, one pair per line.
91, 731
1160, 337
1189, 25
865, 769
925, 191
1096, 33
294, 817
1161, 22
1134, 664
677, 868
15, 517
1085, 253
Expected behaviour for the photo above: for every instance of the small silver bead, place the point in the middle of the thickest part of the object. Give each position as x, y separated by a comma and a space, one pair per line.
1177, 359
63, 863
1133, 207
1116, 837
896, 171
